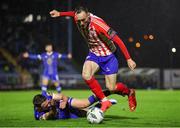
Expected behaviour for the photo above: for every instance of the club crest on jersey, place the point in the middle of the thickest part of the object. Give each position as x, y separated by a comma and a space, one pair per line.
49, 61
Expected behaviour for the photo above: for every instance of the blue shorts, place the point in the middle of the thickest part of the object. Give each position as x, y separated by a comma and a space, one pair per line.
108, 64
53, 77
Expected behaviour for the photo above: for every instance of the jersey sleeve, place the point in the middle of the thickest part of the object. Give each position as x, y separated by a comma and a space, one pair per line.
38, 115
62, 56
69, 13
103, 28
35, 56
121, 45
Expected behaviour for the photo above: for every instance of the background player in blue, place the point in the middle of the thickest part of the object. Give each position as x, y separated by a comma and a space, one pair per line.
50, 66
59, 106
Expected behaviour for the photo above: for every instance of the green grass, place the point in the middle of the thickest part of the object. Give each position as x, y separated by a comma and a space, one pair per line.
155, 109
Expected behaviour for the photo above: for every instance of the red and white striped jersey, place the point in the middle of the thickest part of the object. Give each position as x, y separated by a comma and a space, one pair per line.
99, 36
95, 43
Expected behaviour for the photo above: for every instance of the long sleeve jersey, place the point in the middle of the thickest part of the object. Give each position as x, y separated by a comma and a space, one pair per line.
99, 36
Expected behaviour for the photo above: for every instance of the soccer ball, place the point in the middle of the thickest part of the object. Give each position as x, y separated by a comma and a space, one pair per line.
95, 115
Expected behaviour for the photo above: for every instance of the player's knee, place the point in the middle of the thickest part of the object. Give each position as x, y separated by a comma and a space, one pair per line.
86, 76
45, 82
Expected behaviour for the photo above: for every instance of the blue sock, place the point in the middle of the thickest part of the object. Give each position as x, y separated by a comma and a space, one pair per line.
92, 99
58, 88
44, 89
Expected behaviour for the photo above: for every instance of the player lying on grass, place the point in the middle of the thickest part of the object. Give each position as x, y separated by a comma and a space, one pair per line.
59, 106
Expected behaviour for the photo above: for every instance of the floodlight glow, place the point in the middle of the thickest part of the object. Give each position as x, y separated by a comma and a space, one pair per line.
173, 50
38, 17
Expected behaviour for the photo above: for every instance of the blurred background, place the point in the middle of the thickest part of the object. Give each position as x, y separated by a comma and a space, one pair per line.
149, 28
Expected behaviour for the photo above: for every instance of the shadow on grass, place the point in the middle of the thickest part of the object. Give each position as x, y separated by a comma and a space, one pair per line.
115, 117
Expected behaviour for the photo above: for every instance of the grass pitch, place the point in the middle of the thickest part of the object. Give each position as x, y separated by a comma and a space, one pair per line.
155, 109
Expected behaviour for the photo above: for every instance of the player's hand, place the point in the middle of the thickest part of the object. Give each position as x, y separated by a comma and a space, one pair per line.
26, 55
131, 64
62, 104
52, 103
69, 56
54, 13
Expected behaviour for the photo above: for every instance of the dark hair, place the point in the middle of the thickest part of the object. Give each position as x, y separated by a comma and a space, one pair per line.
46, 44
80, 9
38, 100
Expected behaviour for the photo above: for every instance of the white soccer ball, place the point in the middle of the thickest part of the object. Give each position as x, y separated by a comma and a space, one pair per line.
95, 115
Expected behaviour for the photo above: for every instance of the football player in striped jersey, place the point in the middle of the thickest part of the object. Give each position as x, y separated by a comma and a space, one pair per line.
101, 40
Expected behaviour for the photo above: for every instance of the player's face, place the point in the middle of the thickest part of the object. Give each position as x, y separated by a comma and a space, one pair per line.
83, 19
49, 48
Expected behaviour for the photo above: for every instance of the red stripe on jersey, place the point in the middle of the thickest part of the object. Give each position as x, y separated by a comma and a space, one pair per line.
96, 44
103, 46
101, 24
94, 36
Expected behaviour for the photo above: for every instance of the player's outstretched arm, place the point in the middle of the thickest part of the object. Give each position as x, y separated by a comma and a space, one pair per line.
131, 64
32, 56
65, 56
55, 13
